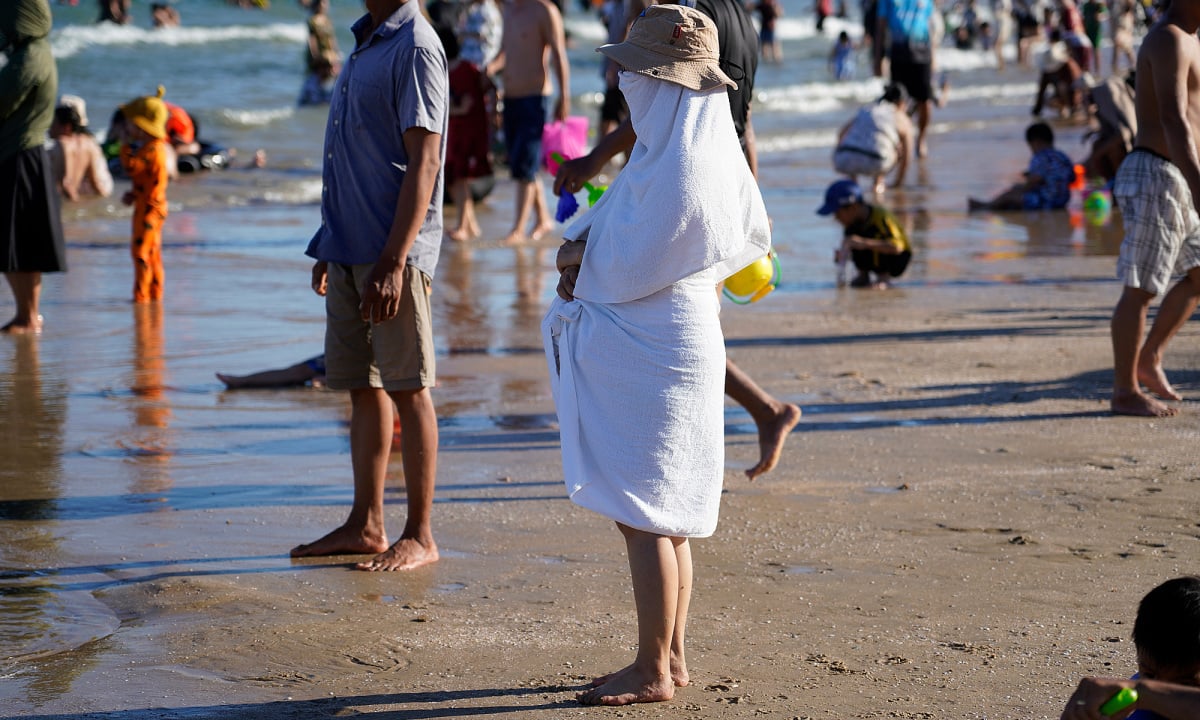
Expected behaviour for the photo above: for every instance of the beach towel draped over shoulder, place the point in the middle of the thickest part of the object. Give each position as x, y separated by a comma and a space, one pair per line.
685, 202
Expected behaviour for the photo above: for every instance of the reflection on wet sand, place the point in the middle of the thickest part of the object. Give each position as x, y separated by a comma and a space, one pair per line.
150, 442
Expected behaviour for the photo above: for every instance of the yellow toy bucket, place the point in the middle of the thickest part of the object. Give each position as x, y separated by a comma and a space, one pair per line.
755, 281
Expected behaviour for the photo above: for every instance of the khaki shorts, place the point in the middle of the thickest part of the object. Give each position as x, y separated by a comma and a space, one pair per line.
395, 355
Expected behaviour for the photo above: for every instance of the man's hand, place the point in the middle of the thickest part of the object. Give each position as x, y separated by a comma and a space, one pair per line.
320, 277
381, 293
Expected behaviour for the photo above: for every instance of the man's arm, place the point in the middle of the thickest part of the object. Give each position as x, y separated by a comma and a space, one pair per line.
381, 293
558, 52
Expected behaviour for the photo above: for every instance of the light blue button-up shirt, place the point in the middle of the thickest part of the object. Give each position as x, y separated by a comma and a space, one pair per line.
396, 79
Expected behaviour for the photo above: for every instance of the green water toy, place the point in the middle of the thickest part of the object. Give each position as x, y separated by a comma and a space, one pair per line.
1115, 704
594, 191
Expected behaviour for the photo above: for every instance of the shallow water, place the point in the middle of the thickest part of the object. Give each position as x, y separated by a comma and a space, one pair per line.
114, 424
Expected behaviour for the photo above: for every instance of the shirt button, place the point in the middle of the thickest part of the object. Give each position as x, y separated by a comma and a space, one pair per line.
330, 156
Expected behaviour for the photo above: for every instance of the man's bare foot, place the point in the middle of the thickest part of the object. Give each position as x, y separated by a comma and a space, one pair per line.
771, 437
406, 554
629, 686
1152, 376
17, 327
343, 541
544, 226
516, 237
1133, 402
679, 674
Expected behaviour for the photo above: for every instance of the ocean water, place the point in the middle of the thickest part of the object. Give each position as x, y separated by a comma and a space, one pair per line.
114, 426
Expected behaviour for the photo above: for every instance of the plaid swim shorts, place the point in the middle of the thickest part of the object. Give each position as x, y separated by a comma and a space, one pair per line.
1162, 229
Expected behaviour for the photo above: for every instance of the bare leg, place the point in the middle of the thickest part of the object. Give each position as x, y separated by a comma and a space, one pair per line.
461, 190
419, 446
679, 671
654, 567
545, 223
1128, 323
774, 418
524, 198
297, 374
923, 112
27, 292
1177, 306
370, 443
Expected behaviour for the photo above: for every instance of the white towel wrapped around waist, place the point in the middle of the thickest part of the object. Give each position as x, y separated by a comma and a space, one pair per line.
639, 388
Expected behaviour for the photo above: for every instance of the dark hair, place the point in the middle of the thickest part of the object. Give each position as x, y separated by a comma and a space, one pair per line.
69, 116
1167, 628
449, 42
894, 93
1041, 132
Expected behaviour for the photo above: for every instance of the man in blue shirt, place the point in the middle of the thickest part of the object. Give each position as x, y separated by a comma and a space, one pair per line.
376, 250
906, 23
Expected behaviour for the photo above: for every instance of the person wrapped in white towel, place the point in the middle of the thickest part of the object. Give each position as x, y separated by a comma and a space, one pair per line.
634, 342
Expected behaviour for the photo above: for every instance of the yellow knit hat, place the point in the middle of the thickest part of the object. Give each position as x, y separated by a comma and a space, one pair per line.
149, 113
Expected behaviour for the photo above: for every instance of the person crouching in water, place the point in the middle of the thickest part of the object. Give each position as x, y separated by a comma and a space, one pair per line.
144, 155
634, 342
872, 239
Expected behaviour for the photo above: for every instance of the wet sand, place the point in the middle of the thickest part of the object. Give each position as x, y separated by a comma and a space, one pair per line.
957, 528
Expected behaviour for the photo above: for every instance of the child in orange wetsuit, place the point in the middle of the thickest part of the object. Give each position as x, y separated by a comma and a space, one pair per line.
144, 156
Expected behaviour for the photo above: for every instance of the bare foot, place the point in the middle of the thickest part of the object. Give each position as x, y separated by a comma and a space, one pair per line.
406, 554
232, 382
1133, 402
516, 237
629, 686
1152, 376
771, 436
16, 327
544, 226
461, 234
343, 541
679, 674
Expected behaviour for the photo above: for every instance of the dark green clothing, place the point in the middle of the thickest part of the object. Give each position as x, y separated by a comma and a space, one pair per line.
29, 82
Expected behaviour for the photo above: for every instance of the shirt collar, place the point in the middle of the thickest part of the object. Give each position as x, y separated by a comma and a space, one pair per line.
387, 28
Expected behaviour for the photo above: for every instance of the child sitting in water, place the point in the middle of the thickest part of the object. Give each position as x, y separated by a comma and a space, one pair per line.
1047, 183
1166, 633
873, 240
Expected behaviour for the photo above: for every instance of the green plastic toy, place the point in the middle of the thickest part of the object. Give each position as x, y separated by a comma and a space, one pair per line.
594, 191
1115, 704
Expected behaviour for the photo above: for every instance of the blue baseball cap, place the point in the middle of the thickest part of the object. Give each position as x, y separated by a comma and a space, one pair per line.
840, 194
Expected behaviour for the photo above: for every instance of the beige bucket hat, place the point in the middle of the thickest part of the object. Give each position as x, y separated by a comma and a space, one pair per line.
673, 43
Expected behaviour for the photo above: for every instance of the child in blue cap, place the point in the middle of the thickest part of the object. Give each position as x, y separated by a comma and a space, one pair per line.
873, 240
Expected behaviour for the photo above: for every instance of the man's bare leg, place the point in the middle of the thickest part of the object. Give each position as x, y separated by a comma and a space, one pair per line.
419, 447
1128, 324
27, 292
774, 418
679, 671
370, 444
1177, 306
526, 189
924, 109
654, 568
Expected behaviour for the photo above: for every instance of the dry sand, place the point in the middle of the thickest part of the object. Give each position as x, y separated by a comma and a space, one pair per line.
958, 529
